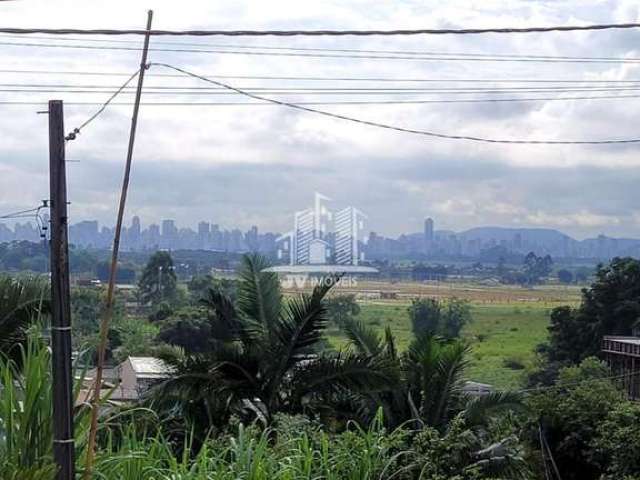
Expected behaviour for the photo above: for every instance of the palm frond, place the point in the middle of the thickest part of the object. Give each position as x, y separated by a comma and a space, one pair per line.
390, 344
331, 374
259, 296
364, 339
22, 301
449, 382
299, 328
478, 408
433, 369
225, 325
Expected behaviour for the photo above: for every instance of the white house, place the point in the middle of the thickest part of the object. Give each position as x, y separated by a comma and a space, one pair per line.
138, 374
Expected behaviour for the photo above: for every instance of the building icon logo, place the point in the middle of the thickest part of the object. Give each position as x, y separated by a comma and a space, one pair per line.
324, 239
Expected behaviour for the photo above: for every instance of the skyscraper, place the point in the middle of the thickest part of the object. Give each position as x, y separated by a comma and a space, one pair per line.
428, 235
204, 235
133, 234
348, 226
428, 230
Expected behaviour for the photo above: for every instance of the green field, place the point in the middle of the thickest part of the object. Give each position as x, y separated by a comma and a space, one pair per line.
503, 336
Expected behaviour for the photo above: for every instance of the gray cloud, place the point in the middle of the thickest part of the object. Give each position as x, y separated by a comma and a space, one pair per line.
243, 166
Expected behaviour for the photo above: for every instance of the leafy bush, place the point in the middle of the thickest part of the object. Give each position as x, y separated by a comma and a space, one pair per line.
439, 317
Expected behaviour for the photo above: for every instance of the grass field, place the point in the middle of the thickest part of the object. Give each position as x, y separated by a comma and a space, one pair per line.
508, 323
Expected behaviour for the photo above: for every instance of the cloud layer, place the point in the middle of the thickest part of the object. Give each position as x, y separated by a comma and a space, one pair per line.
239, 166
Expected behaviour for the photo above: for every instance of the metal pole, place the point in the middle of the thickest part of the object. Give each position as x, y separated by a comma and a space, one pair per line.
106, 319
63, 442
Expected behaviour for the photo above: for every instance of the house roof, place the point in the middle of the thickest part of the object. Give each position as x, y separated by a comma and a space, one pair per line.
149, 367
476, 387
621, 339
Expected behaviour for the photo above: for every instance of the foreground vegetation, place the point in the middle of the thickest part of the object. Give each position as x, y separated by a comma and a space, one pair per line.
256, 391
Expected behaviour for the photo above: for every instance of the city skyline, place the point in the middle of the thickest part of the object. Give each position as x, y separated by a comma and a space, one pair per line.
429, 241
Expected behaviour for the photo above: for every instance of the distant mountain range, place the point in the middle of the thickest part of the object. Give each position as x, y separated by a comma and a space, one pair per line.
477, 242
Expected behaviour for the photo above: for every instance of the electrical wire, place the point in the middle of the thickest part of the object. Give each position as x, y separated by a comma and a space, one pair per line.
20, 213
577, 383
76, 131
297, 93
308, 78
444, 57
290, 33
324, 49
26, 87
345, 102
393, 127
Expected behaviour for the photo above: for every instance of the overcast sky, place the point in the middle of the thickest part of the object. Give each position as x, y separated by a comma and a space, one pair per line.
245, 165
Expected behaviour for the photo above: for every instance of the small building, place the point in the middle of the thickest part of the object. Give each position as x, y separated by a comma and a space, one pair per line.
127, 381
476, 389
389, 295
139, 374
622, 354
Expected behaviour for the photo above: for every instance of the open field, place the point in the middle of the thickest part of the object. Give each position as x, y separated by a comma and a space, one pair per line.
508, 323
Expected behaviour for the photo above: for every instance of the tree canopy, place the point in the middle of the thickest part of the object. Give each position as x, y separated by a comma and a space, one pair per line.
611, 306
158, 281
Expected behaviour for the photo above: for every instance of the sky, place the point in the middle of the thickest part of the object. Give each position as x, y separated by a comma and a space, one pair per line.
244, 165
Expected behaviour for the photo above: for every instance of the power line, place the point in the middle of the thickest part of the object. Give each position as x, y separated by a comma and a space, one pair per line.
309, 78
340, 50
578, 382
345, 102
76, 131
443, 57
20, 213
290, 33
26, 87
393, 127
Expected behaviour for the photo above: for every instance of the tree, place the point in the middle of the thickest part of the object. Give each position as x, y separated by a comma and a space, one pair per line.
341, 308
189, 328
429, 384
618, 442
435, 317
565, 276
158, 281
22, 302
261, 359
135, 337
199, 286
536, 268
571, 414
124, 274
425, 315
611, 306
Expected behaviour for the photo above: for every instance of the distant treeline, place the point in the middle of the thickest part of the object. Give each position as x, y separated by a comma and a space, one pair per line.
25, 256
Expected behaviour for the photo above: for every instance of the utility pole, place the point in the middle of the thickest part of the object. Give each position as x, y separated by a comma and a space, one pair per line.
108, 313
63, 441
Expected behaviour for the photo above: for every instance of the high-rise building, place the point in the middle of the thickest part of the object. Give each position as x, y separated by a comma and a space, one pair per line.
169, 233
251, 239
428, 230
429, 235
153, 235
348, 227
134, 238
204, 235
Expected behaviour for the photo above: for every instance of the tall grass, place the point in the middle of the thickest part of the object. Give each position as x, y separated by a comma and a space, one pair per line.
285, 453
26, 399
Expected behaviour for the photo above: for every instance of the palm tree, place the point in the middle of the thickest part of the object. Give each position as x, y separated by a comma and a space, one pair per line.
265, 356
430, 389
22, 301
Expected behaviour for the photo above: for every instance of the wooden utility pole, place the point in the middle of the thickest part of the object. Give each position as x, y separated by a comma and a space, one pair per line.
63, 441
108, 313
